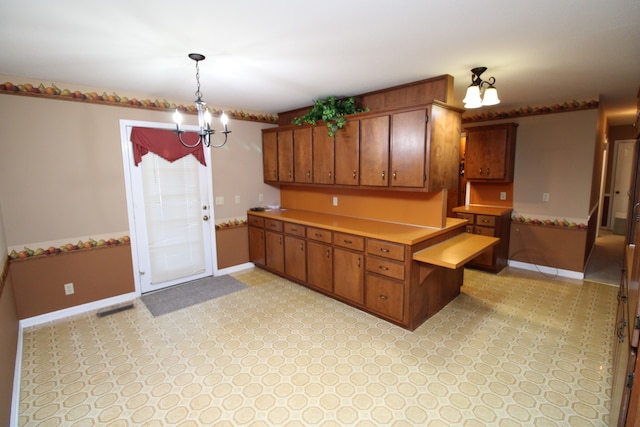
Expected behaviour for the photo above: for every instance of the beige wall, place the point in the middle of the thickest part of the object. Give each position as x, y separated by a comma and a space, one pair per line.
61, 169
555, 155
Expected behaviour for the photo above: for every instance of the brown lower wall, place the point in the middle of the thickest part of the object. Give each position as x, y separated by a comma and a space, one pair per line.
550, 246
9, 328
232, 246
97, 273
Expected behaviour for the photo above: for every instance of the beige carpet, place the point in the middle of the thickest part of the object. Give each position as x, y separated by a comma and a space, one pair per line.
513, 349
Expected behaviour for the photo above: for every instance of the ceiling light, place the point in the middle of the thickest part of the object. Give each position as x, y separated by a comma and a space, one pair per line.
480, 92
204, 116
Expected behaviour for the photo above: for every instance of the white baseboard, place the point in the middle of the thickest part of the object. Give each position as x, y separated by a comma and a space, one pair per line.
547, 270
235, 269
78, 309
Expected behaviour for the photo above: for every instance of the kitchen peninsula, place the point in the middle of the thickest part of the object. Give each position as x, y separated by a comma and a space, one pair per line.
375, 266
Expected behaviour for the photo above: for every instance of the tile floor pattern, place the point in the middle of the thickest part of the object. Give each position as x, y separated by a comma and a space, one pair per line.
514, 349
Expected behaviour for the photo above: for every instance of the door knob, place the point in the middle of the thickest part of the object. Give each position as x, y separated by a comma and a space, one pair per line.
205, 218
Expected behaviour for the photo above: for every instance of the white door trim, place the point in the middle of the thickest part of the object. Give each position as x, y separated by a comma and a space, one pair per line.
127, 162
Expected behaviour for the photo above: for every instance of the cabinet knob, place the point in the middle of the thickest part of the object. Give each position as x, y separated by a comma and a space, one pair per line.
328, 253
383, 175
302, 247
382, 296
330, 174
354, 174
395, 174
488, 171
358, 262
290, 174
480, 171
308, 174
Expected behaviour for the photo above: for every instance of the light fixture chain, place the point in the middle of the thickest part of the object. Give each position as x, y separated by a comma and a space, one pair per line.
198, 94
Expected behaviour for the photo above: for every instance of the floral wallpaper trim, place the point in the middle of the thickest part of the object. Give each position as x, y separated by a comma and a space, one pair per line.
232, 223
54, 92
558, 223
69, 247
531, 111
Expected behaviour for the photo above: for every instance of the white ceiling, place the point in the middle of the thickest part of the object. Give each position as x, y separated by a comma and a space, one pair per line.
278, 55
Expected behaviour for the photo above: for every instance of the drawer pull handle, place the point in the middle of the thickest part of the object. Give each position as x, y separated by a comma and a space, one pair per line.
486, 221
382, 267
385, 250
382, 296
273, 226
294, 229
318, 235
348, 242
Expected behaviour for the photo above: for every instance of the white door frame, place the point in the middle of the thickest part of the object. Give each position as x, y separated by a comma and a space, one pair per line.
612, 208
127, 161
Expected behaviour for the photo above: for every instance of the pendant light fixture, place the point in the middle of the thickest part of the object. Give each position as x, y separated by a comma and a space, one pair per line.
205, 132
480, 92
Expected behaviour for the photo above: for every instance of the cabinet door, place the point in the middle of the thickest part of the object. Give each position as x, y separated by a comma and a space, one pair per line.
322, 156
348, 276
256, 246
295, 257
486, 257
486, 154
374, 151
347, 154
270, 156
408, 148
274, 251
302, 155
320, 266
385, 296
285, 156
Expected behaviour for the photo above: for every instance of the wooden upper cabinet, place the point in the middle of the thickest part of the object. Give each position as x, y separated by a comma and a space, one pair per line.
374, 151
323, 150
347, 154
270, 156
285, 156
408, 148
302, 155
490, 153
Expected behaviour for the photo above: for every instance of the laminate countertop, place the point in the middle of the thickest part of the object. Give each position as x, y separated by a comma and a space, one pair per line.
406, 234
483, 210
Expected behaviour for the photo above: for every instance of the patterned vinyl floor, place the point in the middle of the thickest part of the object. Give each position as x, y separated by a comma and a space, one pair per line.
513, 349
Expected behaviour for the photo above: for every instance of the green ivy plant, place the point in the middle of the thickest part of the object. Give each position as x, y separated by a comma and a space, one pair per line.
331, 111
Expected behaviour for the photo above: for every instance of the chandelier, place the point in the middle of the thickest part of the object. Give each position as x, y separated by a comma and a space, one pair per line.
480, 92
204, 116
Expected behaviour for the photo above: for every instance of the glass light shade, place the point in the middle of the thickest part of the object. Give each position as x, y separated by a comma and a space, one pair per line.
224, 119
472, 99
207, 117
490, 96
177, 117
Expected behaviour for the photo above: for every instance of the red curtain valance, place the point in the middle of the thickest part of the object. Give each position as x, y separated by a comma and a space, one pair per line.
165, 144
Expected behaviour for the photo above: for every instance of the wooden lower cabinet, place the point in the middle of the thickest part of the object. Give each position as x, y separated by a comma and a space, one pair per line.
373, 275
320, 266
496, 224
348, 275
274, 251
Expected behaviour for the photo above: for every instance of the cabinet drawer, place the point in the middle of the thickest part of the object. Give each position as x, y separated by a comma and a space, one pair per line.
256, 221
295, 229
273, 225
485, 231
486, 220
384, 296
348, 241
319, 234
385, 249
468, 217
385, 267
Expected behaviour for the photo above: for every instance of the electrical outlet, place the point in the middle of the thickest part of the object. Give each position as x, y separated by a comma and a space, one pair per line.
545, 197
237, 200
503, 195
261, 197
219, 200
335, 201
68, 289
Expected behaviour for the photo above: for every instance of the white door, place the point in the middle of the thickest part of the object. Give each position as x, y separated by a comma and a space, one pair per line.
622, 177
170, 216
